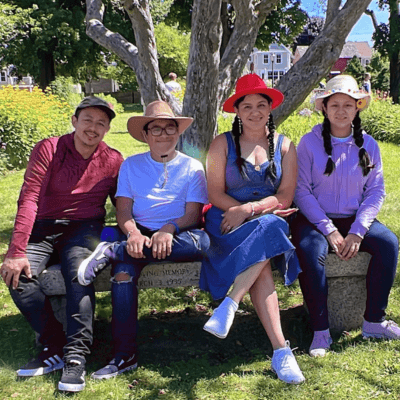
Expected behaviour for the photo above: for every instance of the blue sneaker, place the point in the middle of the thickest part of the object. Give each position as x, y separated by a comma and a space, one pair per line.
94, 264
380, 330
116, 366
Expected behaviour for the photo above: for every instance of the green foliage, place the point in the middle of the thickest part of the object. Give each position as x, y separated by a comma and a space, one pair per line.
173, 49
356, 70
62, 87
382, 121
283, 24
225, 121
26, 118
52, 33
379, 70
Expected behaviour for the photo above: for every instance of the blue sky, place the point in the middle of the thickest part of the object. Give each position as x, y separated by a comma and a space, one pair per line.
362, 30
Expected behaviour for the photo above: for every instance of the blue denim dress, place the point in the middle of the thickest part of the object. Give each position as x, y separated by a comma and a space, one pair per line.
259, 239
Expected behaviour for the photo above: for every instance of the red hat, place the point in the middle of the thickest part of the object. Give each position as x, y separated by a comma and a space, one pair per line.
253, 84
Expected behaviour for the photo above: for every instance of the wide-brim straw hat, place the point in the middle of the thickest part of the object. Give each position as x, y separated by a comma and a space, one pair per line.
344, 84
253, 84
156, 110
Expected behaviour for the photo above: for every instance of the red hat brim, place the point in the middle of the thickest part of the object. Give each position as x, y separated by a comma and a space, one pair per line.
276, 96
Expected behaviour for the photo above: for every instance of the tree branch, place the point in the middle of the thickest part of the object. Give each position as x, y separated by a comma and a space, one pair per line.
373, 17
304, 76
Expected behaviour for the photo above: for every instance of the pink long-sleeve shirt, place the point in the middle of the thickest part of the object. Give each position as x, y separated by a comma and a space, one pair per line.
60, 184
346, 192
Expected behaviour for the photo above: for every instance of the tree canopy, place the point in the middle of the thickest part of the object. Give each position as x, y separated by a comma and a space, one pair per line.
222, 38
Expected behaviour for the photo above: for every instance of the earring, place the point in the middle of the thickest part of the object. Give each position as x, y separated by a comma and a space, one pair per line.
240, 125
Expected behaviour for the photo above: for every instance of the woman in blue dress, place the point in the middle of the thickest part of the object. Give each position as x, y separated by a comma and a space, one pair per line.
251, 173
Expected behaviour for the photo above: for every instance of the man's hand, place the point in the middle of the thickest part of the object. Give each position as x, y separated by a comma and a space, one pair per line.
11, 270
161, 241
135, 243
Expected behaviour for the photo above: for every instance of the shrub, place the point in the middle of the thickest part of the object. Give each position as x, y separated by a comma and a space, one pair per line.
26, 118
63, 88
382, 121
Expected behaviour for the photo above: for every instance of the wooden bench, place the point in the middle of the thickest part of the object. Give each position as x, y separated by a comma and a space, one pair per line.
346, 283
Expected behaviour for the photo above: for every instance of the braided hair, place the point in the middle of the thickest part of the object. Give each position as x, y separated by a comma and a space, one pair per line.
364, 159
237, 132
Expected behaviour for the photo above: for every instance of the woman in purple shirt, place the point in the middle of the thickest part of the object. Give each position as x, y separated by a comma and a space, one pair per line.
339, 193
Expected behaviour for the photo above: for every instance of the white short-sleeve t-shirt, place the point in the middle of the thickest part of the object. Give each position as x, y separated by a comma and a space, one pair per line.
141, 179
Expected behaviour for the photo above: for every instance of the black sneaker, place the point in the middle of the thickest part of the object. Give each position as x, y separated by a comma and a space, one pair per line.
48, 360
73, 376
116, 366
94, 264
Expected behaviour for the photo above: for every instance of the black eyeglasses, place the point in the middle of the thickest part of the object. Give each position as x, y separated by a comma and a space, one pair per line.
169, 130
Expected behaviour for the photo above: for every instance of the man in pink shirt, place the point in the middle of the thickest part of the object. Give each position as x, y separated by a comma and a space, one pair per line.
60, 216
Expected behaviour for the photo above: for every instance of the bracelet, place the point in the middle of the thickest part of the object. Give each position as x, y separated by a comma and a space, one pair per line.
177, 229
252, 209
128, 234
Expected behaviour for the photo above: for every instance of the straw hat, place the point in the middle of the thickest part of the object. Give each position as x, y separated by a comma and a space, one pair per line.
344, 84
156, 110
252, 84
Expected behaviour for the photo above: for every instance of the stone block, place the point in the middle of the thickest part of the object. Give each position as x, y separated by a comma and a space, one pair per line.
347, 292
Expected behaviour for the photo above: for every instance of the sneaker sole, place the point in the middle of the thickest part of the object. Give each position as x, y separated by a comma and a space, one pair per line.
84, 264
291, 382
209, 330
39, 371
377, 336
114, 374
71, 387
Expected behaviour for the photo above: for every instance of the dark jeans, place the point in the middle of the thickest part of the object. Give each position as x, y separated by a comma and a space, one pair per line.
312, 248
187, 246
68, 243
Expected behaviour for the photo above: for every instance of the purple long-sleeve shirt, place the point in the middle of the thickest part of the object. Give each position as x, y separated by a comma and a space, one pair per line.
346, 191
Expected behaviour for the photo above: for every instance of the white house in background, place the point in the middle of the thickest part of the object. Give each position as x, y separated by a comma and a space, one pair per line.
271, 64
6, 78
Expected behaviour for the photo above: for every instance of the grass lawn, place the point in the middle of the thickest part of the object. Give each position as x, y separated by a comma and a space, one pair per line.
180, 361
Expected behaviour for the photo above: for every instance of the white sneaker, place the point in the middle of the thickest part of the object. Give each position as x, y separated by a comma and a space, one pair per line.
222, 319
285, 365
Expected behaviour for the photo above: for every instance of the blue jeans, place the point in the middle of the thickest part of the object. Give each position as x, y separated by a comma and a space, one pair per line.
312, 248
187, 246
68, 243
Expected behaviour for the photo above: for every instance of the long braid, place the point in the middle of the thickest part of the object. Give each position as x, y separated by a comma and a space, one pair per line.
365, 161
326, 135
236, 135
271, 147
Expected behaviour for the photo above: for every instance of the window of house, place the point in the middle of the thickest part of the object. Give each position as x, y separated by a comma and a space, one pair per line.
265, 58
263, 76
367, 62
276, 75
2, 76
278, 58
270, 75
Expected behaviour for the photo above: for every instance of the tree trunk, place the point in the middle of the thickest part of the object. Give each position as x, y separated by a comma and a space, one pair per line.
211, 77
47, 71
318, 60
395, 53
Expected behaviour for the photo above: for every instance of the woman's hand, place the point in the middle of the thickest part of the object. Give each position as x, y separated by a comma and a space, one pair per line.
336, 241
135, 243
234, 217
285, 213
351, 246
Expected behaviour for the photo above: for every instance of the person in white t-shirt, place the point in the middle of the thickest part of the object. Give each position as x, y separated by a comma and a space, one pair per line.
160, 198
173, 85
